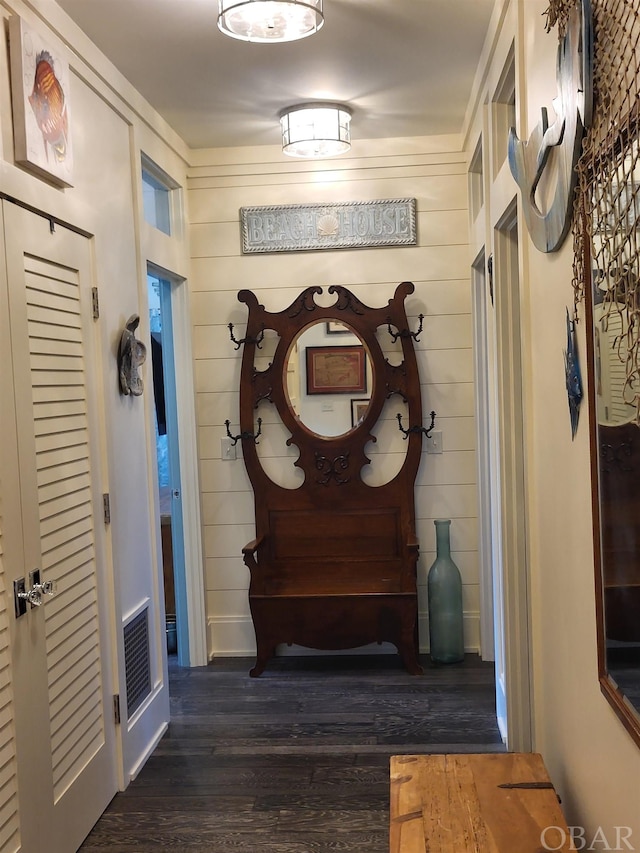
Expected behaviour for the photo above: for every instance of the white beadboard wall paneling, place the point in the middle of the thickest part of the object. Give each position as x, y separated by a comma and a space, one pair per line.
464, 533
447, 399
214, 342
336, 177
458, 436
229, 508
226, 540
458, 433
331, 267
445, 366
445, 331
208, 163
439, 297
233, 634
226, 573
223, 239
221, 306
216, 375
453, 467
210, 404
435, 193
223, 477
227, 602
444, 146
450, 501
219, 184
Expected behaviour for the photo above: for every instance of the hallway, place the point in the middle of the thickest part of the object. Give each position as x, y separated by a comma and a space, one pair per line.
296, 761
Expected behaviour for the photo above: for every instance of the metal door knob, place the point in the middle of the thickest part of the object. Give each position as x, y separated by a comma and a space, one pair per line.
37, 591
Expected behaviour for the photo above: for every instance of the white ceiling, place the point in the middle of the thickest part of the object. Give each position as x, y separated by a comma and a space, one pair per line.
405, 67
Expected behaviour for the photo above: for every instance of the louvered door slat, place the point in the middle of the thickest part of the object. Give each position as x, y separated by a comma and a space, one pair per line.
63, 502
59, 489
67, 327
65, 682
53, 297
56, 561
56, 394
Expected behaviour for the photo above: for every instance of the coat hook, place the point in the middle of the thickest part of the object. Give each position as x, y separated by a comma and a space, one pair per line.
246, 340
405, 333
406, 432
244, 435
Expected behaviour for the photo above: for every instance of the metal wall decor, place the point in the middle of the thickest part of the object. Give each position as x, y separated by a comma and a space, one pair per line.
573, 376
530, 161
349, 225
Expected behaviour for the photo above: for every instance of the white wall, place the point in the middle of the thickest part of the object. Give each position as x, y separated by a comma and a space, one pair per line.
592, 760
433, 171
111, 126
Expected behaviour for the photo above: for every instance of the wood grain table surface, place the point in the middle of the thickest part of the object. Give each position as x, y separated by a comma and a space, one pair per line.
465, 804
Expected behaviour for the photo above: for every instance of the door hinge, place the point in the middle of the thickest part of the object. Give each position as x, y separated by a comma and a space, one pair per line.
116, 708
106, 507
95, 303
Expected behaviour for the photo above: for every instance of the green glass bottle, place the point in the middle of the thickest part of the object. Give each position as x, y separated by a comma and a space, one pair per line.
444, 586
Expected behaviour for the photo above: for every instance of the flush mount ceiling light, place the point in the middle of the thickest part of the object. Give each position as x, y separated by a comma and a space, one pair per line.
269, 20
315, 130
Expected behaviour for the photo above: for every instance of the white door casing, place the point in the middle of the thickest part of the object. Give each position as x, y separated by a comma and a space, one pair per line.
511, 578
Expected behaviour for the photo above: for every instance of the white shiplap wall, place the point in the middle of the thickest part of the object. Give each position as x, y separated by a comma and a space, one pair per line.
432, 170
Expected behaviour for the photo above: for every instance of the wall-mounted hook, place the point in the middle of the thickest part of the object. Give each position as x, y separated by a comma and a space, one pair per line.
405, 333
406, 432
244, 435
246, 340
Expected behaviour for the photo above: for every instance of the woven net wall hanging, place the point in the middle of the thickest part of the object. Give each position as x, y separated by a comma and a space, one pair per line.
607, 204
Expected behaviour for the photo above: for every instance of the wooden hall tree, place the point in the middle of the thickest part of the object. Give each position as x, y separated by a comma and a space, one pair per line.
333, 564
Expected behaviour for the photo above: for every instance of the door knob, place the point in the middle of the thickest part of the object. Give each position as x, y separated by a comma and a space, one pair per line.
37, 591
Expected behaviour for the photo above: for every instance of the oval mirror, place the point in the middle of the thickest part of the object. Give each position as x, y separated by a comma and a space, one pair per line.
329, 381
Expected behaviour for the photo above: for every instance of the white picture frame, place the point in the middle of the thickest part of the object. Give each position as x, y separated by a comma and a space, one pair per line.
41, 104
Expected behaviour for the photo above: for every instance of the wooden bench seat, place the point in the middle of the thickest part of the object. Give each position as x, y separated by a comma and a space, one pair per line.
479, 803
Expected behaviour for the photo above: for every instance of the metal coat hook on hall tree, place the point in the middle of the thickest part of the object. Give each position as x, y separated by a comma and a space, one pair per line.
426, 430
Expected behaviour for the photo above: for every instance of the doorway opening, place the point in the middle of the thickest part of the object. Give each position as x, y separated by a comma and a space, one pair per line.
511, 582
168, 466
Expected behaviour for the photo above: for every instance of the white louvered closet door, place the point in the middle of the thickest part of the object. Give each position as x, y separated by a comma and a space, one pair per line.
60, 652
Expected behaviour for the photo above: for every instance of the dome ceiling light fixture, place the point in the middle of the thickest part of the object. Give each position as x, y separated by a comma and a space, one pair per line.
315, 130
269, 21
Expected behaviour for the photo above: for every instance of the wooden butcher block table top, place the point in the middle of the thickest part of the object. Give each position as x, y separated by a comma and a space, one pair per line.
459, 804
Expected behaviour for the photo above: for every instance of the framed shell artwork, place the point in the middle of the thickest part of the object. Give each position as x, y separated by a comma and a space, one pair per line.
41, 105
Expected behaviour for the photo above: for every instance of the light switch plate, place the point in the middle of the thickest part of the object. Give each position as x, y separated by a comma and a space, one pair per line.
227, 449
434, 442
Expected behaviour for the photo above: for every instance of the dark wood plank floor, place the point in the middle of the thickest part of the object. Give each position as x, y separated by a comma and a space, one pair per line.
296, 761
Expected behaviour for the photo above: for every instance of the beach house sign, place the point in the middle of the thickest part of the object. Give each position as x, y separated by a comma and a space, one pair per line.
348, 225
